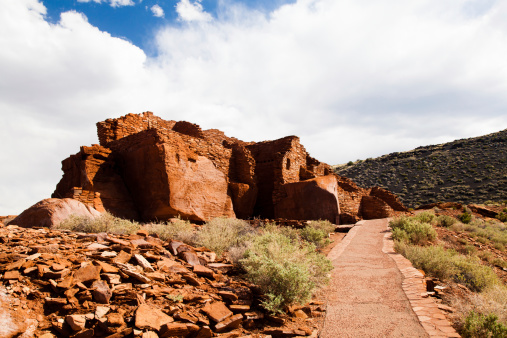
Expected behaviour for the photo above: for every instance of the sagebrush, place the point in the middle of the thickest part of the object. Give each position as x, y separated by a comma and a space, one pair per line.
103, 223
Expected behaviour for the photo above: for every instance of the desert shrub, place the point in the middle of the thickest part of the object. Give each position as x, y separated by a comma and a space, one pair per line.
502, 216
499, 246
287, 231
448, 264
425, 217
465, 217
103, 223
286, 270
479, 325
469, 249
179, 230
499, 262
446, 221
317, 232
485, 255
482, 239
485, 232
434, 260
412, 230
221, 234
323, 225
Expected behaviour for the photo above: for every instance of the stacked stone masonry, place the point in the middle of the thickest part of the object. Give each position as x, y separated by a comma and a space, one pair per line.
88, 198
146, 168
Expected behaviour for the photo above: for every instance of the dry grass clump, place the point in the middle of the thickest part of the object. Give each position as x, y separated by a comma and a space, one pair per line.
221, 234
103, 223
178, 229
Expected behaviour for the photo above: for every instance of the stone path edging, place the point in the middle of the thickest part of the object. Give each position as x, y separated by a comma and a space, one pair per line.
340, 247
430, 316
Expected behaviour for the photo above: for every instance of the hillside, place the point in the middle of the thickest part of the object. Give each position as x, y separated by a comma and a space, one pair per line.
468, 171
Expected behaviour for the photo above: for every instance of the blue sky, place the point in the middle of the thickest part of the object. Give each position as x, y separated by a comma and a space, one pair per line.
353, 79
136, 21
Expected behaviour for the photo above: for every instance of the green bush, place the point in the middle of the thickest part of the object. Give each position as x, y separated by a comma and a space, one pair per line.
287, 270
315, 236
446, 221
412, 230
179, 230
502, 216
103, 223
479, 325
221, 234
465, 217
425, 217
317, 232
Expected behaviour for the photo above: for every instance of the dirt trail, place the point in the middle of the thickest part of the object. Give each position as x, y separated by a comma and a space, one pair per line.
365, 296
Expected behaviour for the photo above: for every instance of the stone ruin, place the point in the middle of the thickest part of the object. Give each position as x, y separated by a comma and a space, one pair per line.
147, 169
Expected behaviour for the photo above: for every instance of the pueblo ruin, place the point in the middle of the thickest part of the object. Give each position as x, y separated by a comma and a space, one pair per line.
146, 168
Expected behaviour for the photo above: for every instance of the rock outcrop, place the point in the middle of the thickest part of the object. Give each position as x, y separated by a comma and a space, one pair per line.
52, 211
358, 203
146, 168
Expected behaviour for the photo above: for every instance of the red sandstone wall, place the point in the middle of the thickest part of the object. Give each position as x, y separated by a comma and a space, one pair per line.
255, 174
94, 171
115, 129
388, 197
373, 207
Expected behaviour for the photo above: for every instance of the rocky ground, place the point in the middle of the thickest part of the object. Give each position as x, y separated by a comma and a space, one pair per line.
63, 284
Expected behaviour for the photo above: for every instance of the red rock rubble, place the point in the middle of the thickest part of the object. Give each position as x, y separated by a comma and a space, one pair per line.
68, 284
146, 168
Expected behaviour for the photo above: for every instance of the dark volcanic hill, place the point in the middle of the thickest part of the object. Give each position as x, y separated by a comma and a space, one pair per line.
470, 170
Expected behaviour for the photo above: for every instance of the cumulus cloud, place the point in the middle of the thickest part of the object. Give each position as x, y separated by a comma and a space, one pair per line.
157, 11
353, 79
192, 11
121, 3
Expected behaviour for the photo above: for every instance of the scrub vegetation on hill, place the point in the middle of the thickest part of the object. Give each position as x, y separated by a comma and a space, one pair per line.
466, 171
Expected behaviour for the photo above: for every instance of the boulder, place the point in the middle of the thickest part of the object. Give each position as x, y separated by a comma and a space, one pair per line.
52, 211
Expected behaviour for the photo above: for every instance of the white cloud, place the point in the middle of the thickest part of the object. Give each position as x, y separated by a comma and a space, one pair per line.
353, 79
121, 3
192, 11
157, 11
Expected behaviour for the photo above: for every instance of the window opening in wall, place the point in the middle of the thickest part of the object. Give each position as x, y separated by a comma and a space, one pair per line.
288, 164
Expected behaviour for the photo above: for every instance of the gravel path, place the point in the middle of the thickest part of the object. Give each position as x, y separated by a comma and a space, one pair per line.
365, 296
